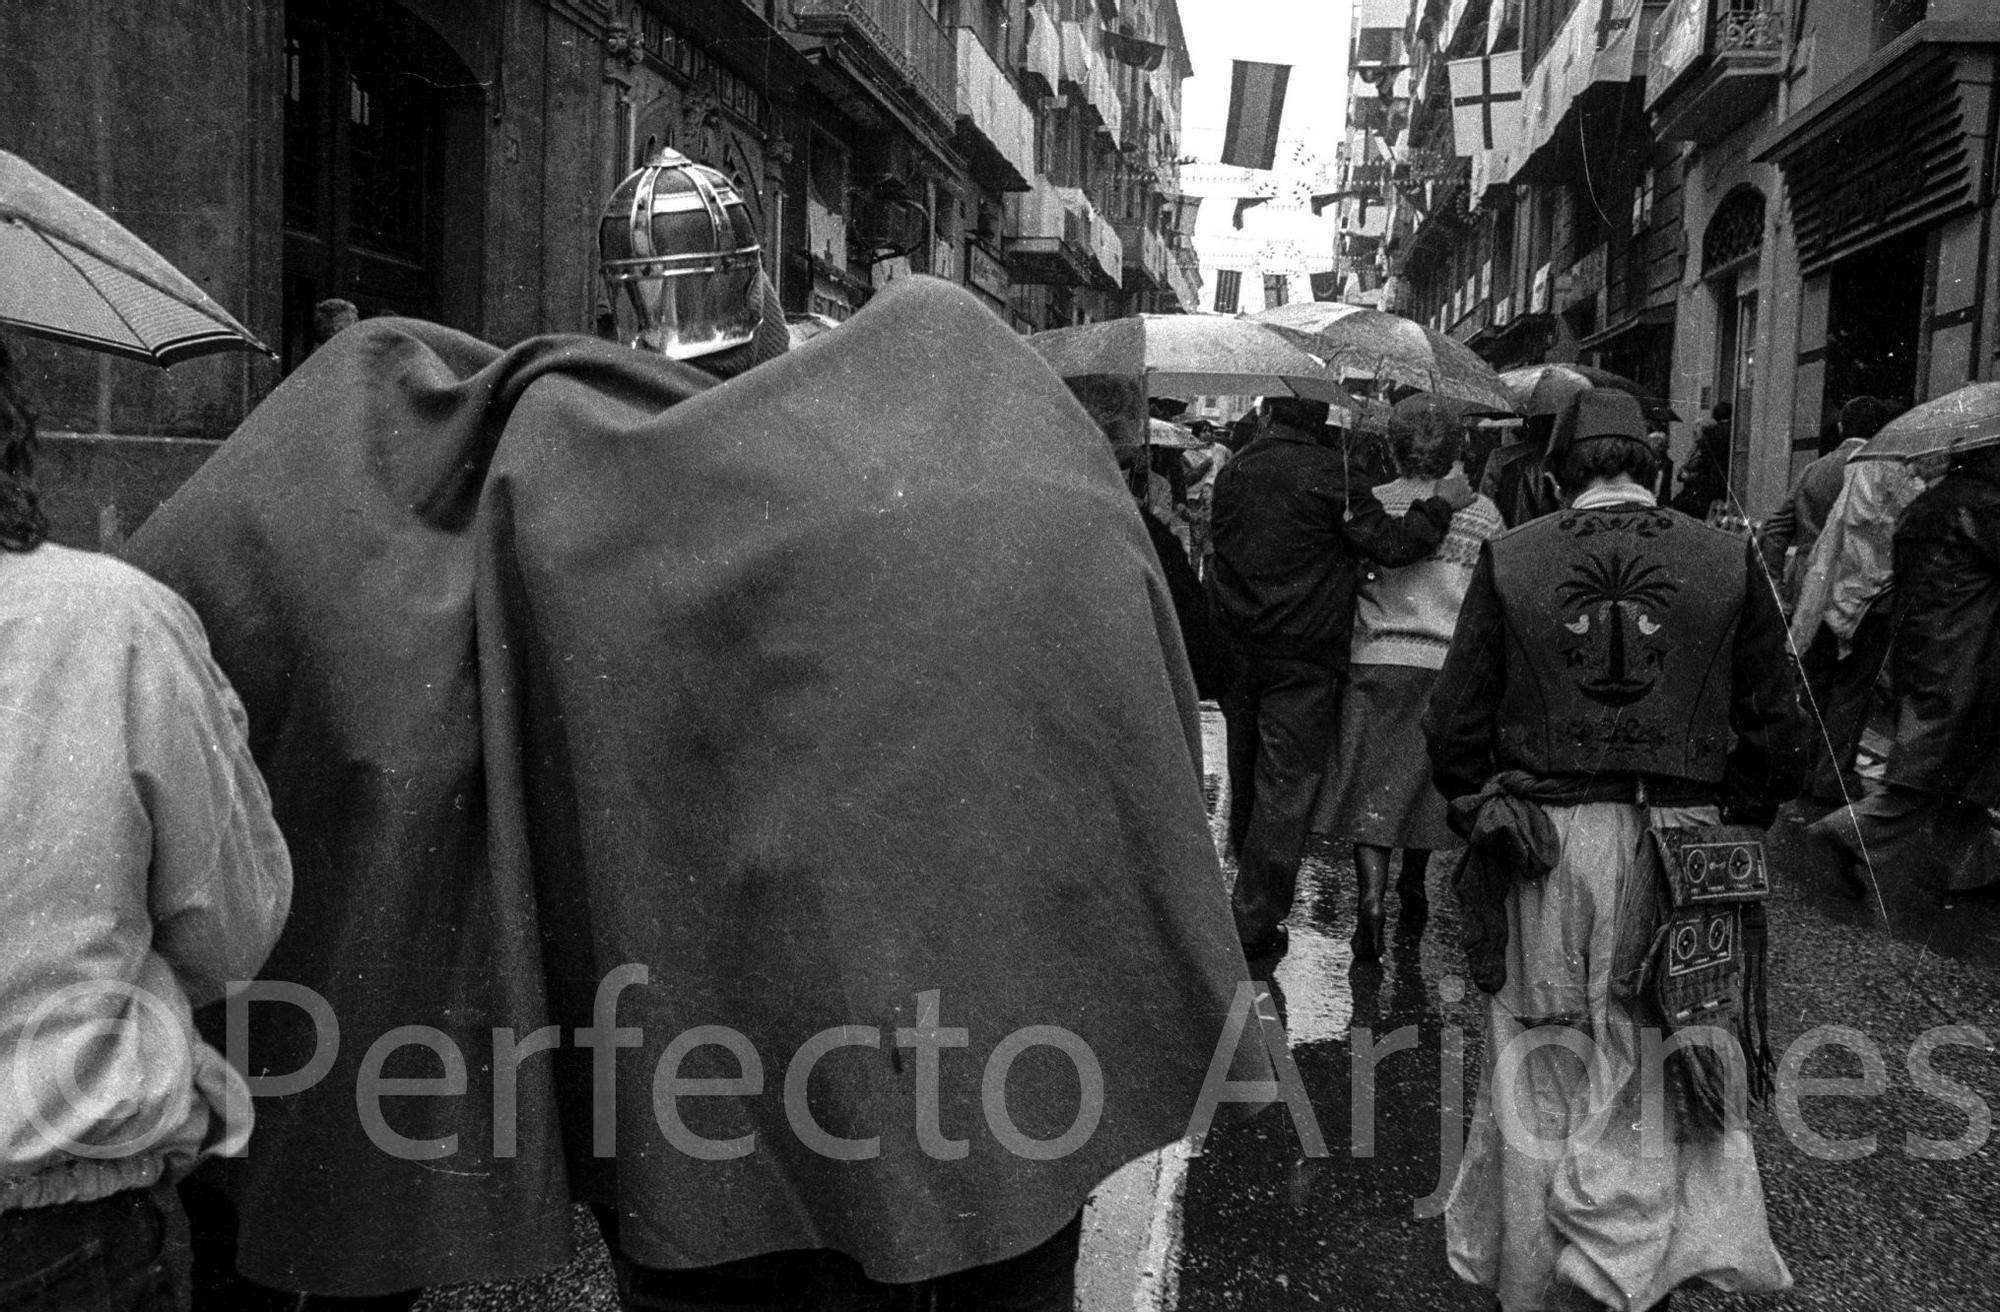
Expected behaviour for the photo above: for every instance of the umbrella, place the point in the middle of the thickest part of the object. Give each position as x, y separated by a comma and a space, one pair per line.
1965, 420
1390, 348
71, 273
1190, 355
1165, 433
1543, 389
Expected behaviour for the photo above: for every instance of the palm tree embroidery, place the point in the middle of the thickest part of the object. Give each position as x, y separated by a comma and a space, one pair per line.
1612, 584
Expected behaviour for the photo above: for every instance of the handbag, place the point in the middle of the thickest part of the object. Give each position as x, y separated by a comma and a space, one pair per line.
1709, 961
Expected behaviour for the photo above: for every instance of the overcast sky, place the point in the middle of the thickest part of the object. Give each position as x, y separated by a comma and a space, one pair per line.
1310, 35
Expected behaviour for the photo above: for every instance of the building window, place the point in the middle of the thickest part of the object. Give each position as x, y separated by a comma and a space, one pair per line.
1228, 289
1275, 290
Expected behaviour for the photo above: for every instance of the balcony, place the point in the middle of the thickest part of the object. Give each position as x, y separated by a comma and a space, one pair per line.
1184, 275
1713, 65
1045, 242
901, 34
996, 131
1146, 257
1090, 71
1044, 62
1098, 237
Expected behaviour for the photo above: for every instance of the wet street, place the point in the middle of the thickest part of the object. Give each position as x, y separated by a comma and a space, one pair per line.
1263, 1228
1252, 1225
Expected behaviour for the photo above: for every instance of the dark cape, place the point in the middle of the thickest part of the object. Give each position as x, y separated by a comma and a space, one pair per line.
850, 679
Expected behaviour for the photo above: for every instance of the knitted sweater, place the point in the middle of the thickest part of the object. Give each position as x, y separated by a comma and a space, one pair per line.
1405, 616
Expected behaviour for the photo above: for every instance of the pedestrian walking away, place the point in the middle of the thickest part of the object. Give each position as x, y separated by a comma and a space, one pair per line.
1290, 534
1377, 793
1928, 822
717, 721
1617, 685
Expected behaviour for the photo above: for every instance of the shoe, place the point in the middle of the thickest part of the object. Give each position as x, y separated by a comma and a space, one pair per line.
1413, 906
1840, 858
1270, 947
1367, 940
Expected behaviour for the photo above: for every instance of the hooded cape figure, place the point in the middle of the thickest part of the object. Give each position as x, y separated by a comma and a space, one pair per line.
697, 721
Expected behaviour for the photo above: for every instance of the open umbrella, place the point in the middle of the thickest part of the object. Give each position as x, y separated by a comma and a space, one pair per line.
71, 273
1965, 420
1389, 348
1166, 433
1190, 355
1543, 389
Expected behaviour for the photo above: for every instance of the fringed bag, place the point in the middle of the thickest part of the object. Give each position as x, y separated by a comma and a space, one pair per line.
1708, 963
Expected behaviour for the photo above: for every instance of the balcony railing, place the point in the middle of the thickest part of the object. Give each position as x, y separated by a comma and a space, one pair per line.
1089, 229
1712, 65
1046, 241
902, 32
1145, 255
1087, 67
989, 100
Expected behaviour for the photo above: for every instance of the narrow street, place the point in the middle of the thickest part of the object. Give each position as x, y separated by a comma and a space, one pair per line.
1250, 1225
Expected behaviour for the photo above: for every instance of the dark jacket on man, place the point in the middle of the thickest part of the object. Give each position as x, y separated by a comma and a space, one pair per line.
1290, 530
1619, 643
1946, 658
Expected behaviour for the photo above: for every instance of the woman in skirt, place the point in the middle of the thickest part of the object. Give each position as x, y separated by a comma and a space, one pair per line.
1378, 791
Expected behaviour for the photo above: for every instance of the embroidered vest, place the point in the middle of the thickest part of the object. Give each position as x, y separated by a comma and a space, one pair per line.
1620, 625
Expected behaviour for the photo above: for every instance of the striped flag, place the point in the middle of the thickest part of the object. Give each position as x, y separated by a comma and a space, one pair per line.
1256, 104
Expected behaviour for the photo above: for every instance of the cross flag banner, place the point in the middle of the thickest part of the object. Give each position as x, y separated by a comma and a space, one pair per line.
1486, 102
1256, 104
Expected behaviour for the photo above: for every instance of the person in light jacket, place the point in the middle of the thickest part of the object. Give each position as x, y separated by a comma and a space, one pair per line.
140, 871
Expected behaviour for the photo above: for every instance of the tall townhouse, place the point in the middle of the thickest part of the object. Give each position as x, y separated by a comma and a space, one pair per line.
450, 160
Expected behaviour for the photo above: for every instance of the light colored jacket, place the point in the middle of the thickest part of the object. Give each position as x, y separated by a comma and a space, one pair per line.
140, 870
1853, 560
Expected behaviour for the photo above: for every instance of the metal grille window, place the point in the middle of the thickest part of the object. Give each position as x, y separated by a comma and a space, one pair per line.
1228, 288
1735, 232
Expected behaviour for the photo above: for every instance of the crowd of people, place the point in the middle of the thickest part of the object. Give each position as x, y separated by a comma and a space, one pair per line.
439, 715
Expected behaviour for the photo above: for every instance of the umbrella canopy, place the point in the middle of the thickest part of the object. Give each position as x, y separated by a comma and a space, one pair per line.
1390, 348
71, 273
1190, 355
1965, 420
1543, 389
1166, 433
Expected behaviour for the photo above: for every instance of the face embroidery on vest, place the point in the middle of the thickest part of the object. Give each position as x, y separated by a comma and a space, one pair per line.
1616, 647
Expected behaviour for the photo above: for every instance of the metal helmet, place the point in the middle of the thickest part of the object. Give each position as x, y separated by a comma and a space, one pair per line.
680, 260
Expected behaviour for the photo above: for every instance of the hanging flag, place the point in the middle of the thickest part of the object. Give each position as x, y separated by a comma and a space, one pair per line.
1486, 102
1326, 286
1256, 104
1136, 51
1236, 220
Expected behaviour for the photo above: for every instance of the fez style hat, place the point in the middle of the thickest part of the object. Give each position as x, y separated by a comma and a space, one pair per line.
1599, 412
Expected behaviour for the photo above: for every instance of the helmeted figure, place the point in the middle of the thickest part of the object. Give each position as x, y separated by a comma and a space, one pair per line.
1616, 685
641, 735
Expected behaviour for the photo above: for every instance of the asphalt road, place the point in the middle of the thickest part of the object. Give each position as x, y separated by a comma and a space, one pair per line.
1251, 1224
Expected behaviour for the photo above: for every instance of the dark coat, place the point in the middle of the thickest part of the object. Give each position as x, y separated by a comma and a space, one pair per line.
1945, 658
1291, 526
840, 690
1207, 657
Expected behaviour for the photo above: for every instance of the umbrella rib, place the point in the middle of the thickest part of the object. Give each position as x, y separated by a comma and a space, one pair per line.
43, 229
84, 274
